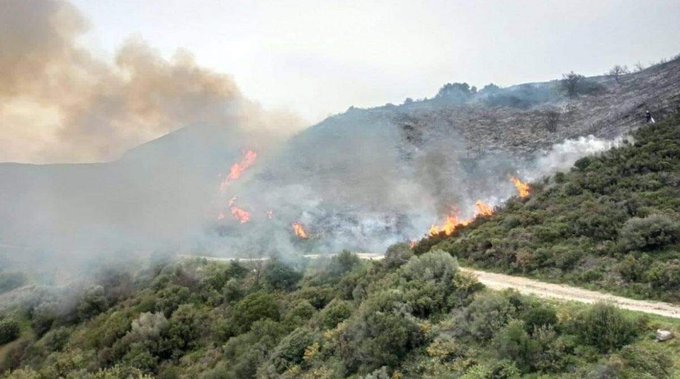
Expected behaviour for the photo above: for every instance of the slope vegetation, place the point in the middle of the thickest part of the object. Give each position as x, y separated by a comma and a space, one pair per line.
612, 222
403, 317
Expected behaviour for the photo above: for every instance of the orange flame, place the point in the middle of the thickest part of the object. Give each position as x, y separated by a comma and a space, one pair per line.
241, 215
482, 209
237, 169
523, 189
299, 231
452, 222
449, 226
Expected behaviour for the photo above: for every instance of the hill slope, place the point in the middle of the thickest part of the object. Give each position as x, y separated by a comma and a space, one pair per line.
612, 222
361, 180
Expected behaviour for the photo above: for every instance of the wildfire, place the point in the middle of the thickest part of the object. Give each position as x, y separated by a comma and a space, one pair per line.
453, 222
523, 189
237, 169
482, 209
450, 225
300, 231
241, 215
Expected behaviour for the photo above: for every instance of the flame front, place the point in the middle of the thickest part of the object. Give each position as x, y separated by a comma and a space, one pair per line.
450, 225
300, 231
237, 169
482, 209
239, 214
523, 189
453, 222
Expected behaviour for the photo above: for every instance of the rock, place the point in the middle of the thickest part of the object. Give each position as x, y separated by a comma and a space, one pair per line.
663, 335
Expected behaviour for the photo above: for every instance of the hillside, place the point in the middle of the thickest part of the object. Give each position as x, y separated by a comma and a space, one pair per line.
403, 317
361, 180
612, 222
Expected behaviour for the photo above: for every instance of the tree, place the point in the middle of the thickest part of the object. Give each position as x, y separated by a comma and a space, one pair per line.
617, 71
571, 83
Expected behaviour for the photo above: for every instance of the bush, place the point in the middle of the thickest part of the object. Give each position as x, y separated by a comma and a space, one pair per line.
515, 344
654, 231
486, 315
397, 255
334, 313
279, 276
605, 327
291, 349
256, 306
9, 331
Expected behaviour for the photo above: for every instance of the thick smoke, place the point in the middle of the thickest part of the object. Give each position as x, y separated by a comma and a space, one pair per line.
361, 181
61, 103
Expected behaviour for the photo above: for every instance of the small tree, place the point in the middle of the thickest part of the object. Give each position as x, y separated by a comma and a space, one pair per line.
571, 82
617, 71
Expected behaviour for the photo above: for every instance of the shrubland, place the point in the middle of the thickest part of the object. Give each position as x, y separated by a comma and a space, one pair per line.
406, 316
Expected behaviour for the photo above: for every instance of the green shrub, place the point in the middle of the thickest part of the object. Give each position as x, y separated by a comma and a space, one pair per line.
486, 315
605, 327
653, 231
9, 331
334, 313
256, 306
280, 276
397, 255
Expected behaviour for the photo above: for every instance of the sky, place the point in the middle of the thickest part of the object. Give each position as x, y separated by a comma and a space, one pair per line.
317, 58
85, 81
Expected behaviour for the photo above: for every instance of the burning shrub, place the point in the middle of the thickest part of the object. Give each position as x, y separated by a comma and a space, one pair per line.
654, 231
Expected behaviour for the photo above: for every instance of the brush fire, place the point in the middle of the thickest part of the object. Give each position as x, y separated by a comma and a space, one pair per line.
237, 169
453, 222
523, 189
448, 226
300, 231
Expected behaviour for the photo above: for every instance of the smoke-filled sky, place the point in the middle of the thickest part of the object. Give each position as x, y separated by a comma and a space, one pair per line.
86, 80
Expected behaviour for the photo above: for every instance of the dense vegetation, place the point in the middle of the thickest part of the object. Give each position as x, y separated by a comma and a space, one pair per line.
612, 222
406, 316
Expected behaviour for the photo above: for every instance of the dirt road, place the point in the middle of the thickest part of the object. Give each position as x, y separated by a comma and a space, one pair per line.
545, 290
563, 292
